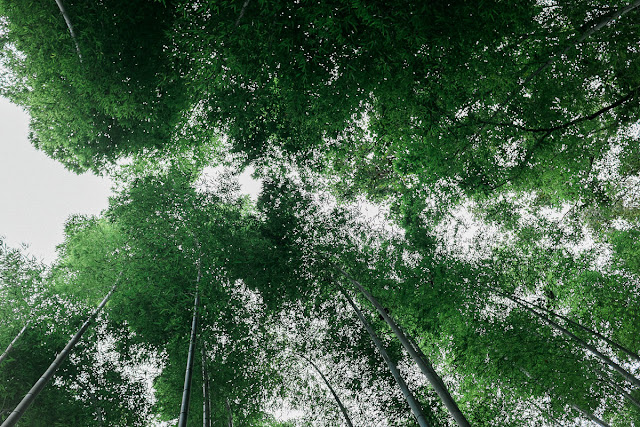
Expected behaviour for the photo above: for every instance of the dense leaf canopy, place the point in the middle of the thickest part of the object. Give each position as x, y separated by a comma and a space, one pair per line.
469, 169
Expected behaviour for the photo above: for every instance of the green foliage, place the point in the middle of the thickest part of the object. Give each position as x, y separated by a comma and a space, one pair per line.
92, 384
21, 286
504, 128
121, 98
627, 248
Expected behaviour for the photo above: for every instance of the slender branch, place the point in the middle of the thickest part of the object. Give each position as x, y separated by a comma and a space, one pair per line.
68, 21
333, 392
411, 400
585, 35
608, 19
28, 399
12, 343
571, 122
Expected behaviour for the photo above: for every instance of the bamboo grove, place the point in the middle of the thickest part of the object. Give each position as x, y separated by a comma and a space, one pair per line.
447, 231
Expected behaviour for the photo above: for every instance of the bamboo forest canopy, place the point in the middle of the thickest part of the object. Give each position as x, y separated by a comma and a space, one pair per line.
447, 231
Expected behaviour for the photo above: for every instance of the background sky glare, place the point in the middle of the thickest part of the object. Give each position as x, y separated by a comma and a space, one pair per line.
37, 194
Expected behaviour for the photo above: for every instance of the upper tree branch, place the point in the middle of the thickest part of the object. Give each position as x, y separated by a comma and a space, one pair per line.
68, 21
570, 122
604, 22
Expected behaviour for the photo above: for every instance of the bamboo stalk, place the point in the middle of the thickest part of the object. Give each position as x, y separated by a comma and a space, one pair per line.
28, 399
591, 349
186, 392
67, 20
206, 402
12, 343
411, 400
333, 392
416, 354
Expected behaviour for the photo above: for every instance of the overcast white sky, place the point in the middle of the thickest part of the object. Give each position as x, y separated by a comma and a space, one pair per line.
37, 194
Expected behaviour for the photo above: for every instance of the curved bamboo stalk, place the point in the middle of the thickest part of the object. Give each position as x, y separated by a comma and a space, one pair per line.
411, 400
333, 392
591, 349
67, 20
612, 343
12, 343
28, 399
416, 354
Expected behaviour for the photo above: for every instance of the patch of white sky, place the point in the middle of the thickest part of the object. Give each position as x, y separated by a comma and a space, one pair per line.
295, 332
215, 178
468, 237
37, 194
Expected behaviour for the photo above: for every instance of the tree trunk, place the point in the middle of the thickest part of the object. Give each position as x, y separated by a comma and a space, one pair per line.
619, 369
585, 413
68, 22
11, 344
206, 403
28, 399
620, 390
612, 343
626, 395
608, 19
335, 396
590, 416
186, 392
413, 403
416, 354
229, 412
